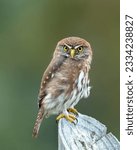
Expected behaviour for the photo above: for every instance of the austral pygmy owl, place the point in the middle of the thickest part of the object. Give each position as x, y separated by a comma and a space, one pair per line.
65, 80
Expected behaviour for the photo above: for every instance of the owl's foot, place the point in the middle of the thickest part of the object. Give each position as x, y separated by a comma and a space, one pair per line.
73, 110
71, 118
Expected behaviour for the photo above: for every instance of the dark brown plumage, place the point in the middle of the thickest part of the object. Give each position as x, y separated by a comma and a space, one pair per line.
65, 81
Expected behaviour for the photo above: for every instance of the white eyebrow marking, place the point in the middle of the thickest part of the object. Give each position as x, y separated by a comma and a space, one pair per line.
77, 46
68, 46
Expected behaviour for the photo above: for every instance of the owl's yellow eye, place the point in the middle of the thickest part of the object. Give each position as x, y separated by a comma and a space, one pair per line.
80, 49
65, 48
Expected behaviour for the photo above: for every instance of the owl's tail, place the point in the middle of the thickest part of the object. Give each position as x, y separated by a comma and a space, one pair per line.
38, 121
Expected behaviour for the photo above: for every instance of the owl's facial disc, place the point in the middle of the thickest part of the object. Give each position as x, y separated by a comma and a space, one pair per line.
72, 51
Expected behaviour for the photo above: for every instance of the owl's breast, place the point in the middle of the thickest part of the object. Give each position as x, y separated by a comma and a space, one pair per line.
68, 85
80, 89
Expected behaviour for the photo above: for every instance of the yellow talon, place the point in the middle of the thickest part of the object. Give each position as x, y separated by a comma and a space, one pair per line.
72, 110
59, 117
71, 118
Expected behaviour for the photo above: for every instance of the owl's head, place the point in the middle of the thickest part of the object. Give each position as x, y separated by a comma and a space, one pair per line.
74, 48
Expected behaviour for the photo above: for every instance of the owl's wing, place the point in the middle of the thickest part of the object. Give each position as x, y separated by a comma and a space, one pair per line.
48, 75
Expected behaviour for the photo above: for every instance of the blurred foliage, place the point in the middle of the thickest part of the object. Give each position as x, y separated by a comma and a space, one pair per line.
29, 31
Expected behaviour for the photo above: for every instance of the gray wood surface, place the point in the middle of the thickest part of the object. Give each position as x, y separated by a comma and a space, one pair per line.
86, 134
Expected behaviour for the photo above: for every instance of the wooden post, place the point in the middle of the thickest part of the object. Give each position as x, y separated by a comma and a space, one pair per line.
87, 134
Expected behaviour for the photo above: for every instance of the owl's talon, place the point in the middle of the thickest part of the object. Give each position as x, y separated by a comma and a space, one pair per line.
59, 117
76, 121
71, 118
73, 110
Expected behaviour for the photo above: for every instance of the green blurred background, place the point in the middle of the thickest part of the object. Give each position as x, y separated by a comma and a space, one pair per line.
29, 31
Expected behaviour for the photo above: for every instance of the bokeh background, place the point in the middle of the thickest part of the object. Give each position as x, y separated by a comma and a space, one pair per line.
29, 31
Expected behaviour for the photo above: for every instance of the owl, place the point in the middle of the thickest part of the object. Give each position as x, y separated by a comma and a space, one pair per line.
65, 81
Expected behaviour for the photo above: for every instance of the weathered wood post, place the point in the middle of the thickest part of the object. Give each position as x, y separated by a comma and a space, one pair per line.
87, 134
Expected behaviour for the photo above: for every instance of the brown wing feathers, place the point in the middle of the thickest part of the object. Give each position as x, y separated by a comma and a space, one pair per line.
48, 74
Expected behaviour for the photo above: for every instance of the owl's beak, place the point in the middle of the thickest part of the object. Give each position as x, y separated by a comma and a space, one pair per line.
72, 53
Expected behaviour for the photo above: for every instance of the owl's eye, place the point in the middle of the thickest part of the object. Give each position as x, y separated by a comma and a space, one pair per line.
65, 48
80, 49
